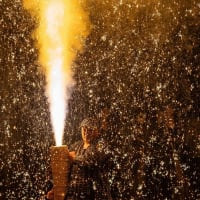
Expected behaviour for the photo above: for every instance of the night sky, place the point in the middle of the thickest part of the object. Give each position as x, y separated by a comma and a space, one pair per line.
139, 67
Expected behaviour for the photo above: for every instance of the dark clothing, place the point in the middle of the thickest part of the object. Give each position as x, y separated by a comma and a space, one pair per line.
86, 178
165, 178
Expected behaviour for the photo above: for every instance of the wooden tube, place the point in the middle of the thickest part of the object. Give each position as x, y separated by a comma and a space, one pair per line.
60, 164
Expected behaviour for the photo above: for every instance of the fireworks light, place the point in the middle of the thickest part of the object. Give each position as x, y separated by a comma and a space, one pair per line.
60, 34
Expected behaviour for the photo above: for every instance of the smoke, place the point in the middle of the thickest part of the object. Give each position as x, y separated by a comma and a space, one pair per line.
62, 27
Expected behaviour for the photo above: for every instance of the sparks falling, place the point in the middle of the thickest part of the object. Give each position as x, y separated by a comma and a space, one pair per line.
63, 26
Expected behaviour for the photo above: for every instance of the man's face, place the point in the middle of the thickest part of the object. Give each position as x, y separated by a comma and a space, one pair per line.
169, 117
141, 118
86, 136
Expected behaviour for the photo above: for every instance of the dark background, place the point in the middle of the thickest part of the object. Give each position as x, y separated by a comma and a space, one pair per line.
140, 58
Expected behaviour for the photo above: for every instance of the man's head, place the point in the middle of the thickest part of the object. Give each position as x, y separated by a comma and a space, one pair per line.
89, 129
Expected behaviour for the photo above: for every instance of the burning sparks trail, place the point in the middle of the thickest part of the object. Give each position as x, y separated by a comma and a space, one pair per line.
62, 27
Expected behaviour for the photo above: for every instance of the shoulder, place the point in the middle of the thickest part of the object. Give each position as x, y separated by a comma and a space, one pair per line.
102, 146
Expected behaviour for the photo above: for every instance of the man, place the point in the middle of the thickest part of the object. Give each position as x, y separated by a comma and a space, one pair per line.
89, 156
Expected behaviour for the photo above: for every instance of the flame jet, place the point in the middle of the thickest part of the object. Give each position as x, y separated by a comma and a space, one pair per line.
62, 27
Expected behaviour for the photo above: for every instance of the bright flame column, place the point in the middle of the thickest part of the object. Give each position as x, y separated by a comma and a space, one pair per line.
62, 28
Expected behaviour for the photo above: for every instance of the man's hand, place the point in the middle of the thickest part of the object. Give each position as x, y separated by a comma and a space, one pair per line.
50, 195
72, 155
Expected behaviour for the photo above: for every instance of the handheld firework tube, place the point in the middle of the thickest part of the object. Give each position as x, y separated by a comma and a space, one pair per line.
60, 164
